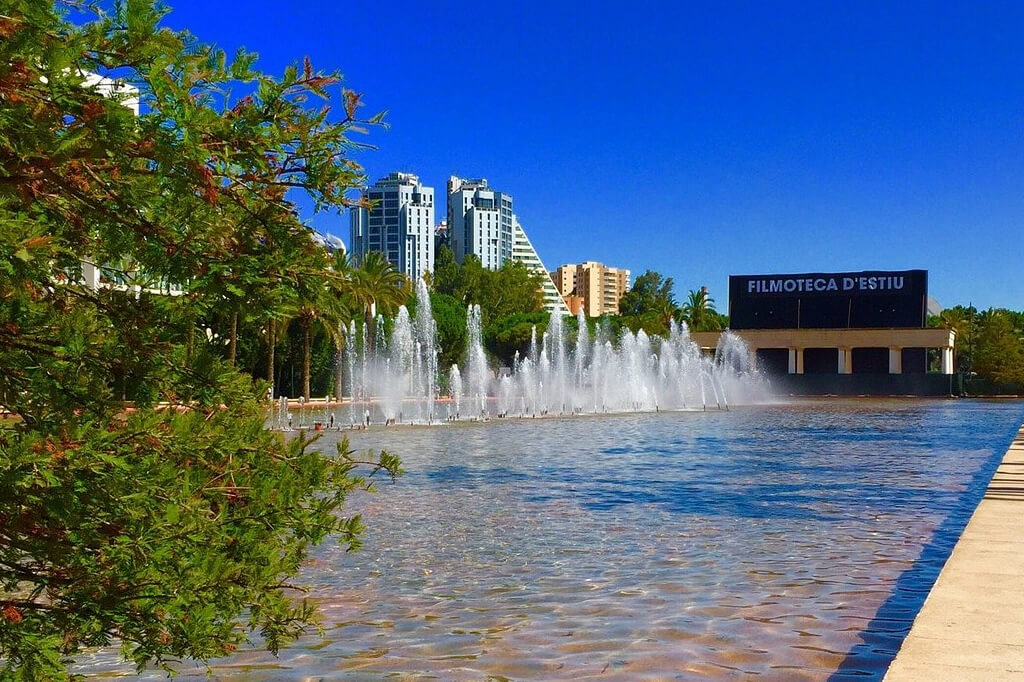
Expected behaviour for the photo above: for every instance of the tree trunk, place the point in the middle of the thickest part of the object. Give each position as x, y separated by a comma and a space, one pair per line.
307, 343
371, 332
233, 339
339, 362
271, 346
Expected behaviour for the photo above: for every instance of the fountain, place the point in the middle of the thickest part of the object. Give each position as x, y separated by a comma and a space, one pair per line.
393, 376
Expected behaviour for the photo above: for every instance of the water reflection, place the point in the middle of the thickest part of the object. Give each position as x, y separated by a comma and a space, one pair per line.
793, 542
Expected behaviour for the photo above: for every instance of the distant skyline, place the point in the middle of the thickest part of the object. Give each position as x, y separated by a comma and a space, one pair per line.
697, 140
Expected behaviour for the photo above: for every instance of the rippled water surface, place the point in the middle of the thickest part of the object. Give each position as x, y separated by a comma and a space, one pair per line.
788, 541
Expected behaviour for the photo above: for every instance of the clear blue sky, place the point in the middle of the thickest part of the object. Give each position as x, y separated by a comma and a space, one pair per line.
696, 139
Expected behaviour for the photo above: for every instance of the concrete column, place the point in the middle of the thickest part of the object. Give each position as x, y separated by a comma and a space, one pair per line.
895, 360
845, 361
792, 360
799, 360
947, 360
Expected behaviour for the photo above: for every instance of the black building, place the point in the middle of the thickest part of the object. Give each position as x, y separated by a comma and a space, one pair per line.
846, 300
847, 333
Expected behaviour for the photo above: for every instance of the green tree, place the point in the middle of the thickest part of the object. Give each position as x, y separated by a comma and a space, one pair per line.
450, 317
649, 304
471, 282
166, 526
962, 320
445, 279
510, 289
699, 312
323, 305
377, 288
999, 356
651, 292
511, 333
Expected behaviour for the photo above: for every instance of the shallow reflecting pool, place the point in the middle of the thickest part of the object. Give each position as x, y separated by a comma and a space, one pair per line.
792, 541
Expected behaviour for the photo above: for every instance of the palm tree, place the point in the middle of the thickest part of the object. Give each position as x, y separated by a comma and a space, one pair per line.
699, 311
665, 310
376, 287
318, 302
276, 323
340, 285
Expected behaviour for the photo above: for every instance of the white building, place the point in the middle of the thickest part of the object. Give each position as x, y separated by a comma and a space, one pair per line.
522, 250
128, 95
400, 224
480, 222
124, 276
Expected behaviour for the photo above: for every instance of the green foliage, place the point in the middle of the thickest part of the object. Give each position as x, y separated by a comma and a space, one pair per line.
158, 530
450, 317
610, 325
510, 300
960, 319
649, 305
989, 347
506, 335
699, 313
650, 293
999, 355
513, 289
377, 288
651, 323
510, 289
167, 523
446, 271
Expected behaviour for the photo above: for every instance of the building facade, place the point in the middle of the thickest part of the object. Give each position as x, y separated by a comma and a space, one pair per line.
849, 333
523, 251
480, 221
399, 224
598, 286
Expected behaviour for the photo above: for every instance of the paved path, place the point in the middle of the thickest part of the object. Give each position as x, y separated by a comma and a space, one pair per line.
971, 627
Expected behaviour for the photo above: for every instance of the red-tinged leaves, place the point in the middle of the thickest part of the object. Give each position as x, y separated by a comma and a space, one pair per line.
242, 105
318, 83
197, 194
9, 26
92, 110
10, 614
351, 103
209, 188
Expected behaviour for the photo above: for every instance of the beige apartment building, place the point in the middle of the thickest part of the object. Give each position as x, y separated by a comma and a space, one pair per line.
596, 286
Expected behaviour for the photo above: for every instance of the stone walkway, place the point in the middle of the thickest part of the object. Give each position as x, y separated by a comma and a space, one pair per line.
971, 627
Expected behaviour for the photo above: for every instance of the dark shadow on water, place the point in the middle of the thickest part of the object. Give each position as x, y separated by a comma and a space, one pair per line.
473, 477
884, 635
766, 500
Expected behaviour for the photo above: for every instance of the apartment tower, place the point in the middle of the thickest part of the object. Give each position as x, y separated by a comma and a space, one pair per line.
400, 224
480, 221
600, 287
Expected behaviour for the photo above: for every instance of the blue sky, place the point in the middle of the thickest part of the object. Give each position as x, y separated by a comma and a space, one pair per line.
696, 139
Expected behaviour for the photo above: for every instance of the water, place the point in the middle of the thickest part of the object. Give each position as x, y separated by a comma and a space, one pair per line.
787, 541
397, 379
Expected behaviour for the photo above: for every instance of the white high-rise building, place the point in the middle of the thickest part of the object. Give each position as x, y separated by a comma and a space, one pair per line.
480, 221
522, 250
400, 224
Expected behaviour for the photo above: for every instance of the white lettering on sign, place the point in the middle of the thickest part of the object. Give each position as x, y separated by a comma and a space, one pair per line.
790, 285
